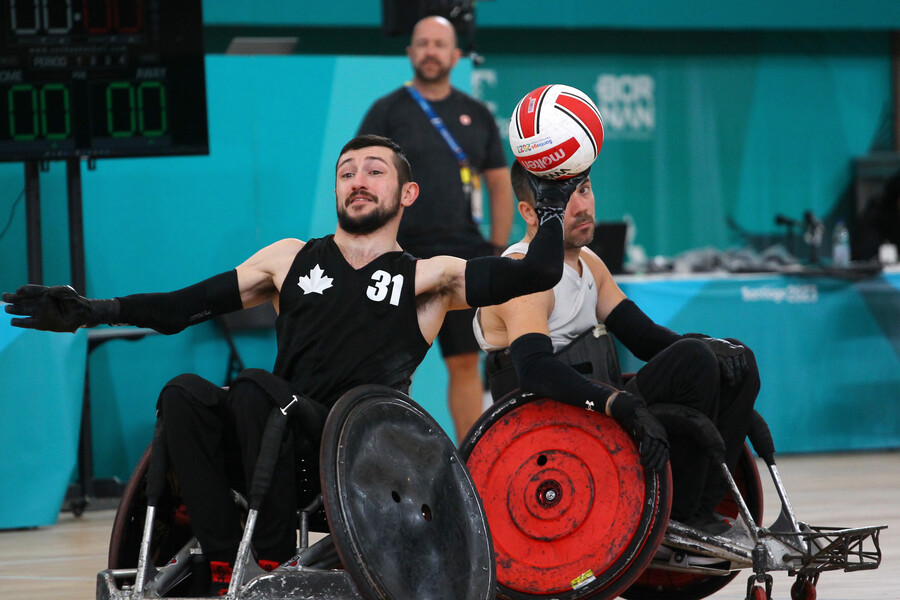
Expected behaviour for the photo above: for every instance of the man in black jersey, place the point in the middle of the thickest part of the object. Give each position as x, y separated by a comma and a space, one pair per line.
354, 308
447, 158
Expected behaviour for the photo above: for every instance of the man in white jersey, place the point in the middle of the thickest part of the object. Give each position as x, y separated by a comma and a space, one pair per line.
529, 337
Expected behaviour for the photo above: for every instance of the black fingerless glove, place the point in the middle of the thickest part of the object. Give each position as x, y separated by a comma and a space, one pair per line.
552, 195
58, 308
732, 357
631, 413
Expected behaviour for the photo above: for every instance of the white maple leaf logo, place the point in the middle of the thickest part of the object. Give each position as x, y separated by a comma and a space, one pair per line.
316, 282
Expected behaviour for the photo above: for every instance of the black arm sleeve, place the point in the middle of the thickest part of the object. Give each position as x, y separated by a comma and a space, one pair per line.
637, 331
540, 373
171, 312
496, 279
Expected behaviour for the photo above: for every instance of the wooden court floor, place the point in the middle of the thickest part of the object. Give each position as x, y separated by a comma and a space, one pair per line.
840, 490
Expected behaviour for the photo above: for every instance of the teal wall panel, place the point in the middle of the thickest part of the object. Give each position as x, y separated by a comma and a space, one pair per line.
699, 14
39, 421
347, 13
637, 14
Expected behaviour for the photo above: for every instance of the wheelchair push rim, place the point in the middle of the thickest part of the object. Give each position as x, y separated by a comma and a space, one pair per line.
572, 512
406, 519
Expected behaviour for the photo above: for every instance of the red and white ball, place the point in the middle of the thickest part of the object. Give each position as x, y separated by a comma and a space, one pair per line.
556, 131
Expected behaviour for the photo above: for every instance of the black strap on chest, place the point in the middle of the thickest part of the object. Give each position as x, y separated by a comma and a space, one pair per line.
593, 354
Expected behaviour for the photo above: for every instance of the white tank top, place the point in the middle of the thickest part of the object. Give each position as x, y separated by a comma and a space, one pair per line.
574, 307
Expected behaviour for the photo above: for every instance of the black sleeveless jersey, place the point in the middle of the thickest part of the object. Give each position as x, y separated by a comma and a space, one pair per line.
339, 327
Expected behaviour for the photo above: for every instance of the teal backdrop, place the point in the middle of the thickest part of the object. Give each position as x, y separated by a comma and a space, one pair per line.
697, 133
720, 14
43, 378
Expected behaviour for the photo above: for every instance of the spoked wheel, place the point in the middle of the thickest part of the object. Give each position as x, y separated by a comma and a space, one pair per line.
572, 512
658, 584
406, 519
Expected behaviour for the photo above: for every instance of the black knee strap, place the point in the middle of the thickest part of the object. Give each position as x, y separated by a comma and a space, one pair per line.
310, 414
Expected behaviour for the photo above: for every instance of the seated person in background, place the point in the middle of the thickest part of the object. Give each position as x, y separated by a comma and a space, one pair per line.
354, 309
535, 334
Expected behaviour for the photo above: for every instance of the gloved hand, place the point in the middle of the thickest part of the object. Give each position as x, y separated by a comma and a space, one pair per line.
732, 357
552, 195
57, 308
631, 412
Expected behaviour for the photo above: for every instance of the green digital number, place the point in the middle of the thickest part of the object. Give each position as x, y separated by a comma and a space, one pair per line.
136, 109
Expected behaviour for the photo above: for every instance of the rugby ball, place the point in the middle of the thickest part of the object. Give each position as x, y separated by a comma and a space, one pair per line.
556, 131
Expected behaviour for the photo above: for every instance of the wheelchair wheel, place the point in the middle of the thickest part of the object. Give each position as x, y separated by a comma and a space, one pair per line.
171, 529
405, 515
658, 584
572, 512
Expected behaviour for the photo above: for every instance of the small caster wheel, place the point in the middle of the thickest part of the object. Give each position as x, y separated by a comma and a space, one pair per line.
758, 593
803, 590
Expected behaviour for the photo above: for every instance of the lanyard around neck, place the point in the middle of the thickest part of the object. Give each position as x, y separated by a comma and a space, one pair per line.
438, 123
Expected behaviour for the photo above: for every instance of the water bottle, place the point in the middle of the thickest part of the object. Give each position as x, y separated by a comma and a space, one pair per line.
840, 245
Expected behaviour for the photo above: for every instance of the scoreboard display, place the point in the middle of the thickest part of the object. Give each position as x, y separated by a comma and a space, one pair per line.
101, 79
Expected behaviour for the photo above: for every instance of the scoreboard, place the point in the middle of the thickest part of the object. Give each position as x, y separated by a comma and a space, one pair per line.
101, 79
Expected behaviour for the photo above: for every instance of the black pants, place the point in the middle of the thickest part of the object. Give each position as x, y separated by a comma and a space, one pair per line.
213, 437
687, 373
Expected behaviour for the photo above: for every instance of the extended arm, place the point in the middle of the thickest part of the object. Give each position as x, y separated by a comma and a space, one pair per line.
60, 308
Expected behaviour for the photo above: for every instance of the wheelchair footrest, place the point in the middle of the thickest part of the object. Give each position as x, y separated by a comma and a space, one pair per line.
833, 548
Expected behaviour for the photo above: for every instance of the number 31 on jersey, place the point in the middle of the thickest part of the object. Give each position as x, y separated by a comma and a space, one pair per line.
382, 285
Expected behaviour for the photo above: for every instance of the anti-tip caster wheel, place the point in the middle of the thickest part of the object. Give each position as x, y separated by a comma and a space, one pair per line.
803, 589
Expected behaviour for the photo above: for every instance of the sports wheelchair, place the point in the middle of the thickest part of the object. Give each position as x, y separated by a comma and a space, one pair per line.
573, 514
399, 512
542, 501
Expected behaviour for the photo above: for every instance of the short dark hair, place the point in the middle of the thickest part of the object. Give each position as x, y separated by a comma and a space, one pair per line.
404, 171
520, 183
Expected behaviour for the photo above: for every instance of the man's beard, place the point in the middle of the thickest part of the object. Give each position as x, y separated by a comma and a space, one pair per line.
441, 74
371, 221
